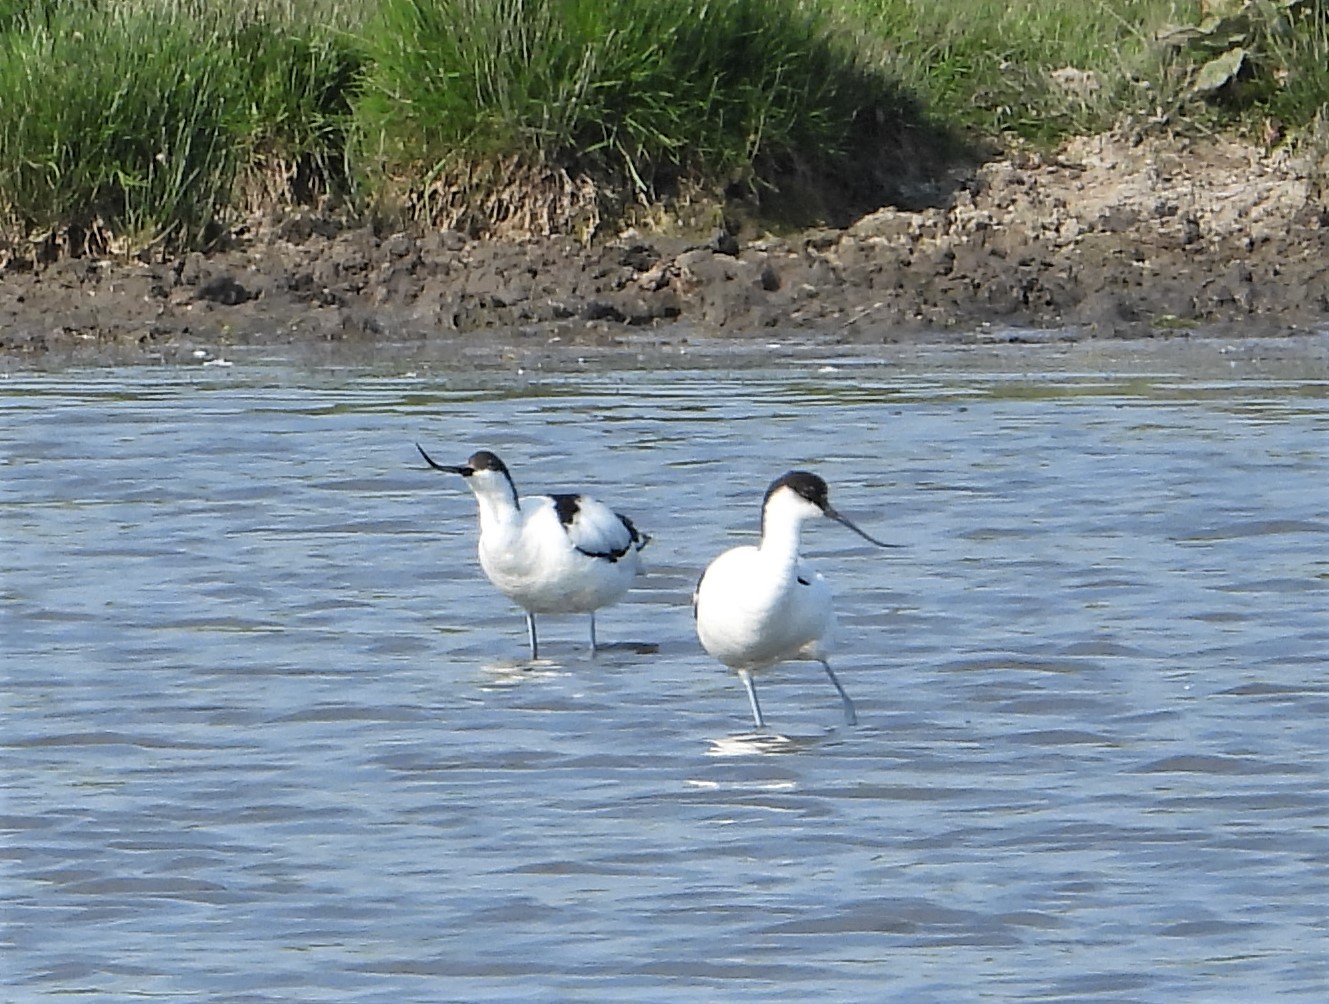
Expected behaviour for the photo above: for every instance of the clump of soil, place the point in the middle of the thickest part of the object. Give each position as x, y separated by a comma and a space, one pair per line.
1110, 238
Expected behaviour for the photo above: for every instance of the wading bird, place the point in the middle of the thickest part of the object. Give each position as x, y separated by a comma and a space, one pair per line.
549, 554
759, 606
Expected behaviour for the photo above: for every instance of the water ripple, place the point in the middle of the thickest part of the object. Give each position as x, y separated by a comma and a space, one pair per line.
270, 736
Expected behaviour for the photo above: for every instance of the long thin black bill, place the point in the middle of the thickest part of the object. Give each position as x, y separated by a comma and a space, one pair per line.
845, 522
437, 466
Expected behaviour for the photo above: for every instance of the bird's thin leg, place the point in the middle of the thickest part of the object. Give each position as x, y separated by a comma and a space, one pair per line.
594, 647
746, 677
530, 630
849, 717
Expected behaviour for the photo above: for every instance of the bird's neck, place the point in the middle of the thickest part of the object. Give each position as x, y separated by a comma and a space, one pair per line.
498, 513
781, 533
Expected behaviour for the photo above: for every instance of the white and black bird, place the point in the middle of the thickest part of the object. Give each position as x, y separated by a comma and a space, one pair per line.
549, 554
759, 606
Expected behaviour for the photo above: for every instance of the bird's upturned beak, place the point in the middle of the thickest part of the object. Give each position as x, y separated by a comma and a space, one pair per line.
465, 472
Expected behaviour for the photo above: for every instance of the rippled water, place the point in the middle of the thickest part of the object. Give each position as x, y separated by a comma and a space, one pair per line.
269, 736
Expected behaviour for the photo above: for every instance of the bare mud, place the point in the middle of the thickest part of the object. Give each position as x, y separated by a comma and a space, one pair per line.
1108, 239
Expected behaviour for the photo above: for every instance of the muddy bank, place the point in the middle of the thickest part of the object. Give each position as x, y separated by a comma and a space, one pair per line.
1107, 239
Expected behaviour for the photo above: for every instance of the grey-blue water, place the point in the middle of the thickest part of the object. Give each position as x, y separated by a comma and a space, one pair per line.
270, 736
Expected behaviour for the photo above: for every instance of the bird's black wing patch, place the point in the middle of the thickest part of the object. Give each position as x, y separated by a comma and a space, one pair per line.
804, 582
588, 534
567, 507
639, 539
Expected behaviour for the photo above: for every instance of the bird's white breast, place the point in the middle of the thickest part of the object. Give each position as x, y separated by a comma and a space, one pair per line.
754, 610
543, 566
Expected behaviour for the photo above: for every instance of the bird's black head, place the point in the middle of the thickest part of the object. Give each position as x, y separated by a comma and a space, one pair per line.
805, 484
812, 489
483, 460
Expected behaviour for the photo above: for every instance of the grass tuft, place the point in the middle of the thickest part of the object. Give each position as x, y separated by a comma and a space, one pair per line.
127, 125
1040, 69
109, 138
1046, 69
720, 92
150, 126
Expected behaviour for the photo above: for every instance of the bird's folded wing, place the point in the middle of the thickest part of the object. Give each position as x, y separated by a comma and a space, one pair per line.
594, 529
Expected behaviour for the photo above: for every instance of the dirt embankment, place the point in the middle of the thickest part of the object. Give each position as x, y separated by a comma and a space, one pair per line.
1107, 239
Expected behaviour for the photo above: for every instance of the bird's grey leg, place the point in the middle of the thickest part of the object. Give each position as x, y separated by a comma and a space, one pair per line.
849, 717
530, 630
594, 648
746, 677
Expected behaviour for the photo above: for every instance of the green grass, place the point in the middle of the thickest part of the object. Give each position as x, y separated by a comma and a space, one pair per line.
296, 86
152, 125
105, 139
1290, 75
641, 92
127, 126
1046, 69
991, 65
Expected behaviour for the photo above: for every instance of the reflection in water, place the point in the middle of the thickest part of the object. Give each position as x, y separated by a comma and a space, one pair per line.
511, 673
267, 737
749, 743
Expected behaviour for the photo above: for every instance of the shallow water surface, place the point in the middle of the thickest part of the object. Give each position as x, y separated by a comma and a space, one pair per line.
270, 736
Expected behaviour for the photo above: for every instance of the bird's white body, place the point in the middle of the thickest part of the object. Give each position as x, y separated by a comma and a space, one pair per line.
533, 559
549, 554
759, 606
